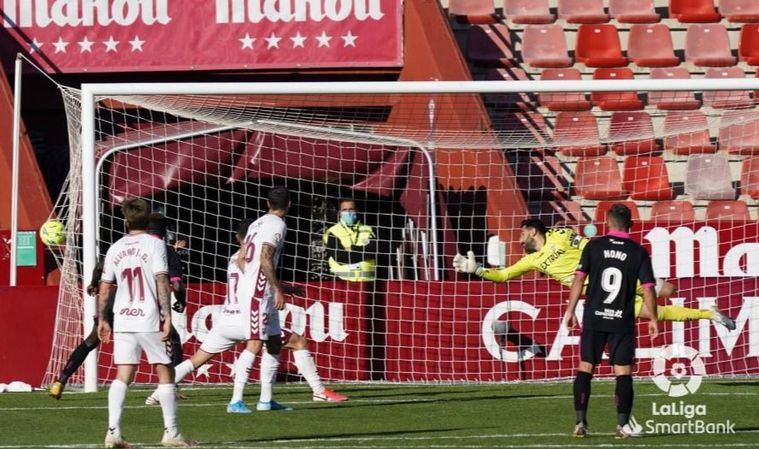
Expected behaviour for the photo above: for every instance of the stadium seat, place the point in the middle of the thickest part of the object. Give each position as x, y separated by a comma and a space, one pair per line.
748, 49
672, 100
750, 177
693, 11
582, 11
727, 211
540, 176
739, 132
672, 212
646, 178
544, 46
727, 99
633, 11
739, 10
615, 101
707, 177
598, 46
472, 11
576, 134
563, 101
632, 133
602, 207
528, 12
598, 179
490, 45
708, 45
561, 213
687, 132
651, 46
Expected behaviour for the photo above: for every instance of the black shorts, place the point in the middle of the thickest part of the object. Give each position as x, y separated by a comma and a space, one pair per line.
621, 347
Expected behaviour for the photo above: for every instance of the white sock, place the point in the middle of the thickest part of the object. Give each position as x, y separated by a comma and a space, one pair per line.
269, 366
167, 394
116, 396
307, 368
243, 365
180, 372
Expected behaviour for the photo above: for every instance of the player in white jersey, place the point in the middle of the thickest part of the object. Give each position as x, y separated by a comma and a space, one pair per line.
136, 267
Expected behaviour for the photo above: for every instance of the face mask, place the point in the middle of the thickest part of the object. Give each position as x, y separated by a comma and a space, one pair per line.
349, 218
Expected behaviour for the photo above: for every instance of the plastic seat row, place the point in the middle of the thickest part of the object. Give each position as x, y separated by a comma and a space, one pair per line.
682, 211
592, 11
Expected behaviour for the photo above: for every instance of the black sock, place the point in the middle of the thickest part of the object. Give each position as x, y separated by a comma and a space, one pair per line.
623, 395
75, 360
582, 395
176, 347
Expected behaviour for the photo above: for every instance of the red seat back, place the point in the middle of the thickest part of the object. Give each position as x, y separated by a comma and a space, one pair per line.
651, 46
576, 134
727, 211
687, 132
672, 211
598, 46
646, 178
598, 179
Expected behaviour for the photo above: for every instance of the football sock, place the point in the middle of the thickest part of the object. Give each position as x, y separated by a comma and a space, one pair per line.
75, 360
269, 365
176, 347
678, 313
182, 370
116, 396
582, 395
167, 394
623, 395
242, 371
307, 368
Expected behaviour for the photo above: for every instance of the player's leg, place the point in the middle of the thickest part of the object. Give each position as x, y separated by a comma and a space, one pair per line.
591, 350
679, 313
622, 357
176, 354
75, 360
269, 367
243, 365
126, 356
307, 368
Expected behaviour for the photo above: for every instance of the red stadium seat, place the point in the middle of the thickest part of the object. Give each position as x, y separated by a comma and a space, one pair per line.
632, 133
651, 46
750, 177
646, 178
708, 45
727, 211
598, 179
687, 132
739, 132
672, 100
528, 12
615, 101
602, 208
727, 99
708, 177
740, 10
545, 46
563, 101
749, 46
633, 11
693, 11
576, 134
472, 11
598, 46
490, 45
672, 212
582, 11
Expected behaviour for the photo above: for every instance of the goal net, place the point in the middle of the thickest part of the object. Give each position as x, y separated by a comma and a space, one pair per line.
434, 169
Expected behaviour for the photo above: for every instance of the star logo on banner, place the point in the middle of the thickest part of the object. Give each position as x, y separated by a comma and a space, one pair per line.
349, 40
35, 45
323, 39
272, 41
203, 370
111, 44
85, 45
136, 44
231, 367
298, 40
247, 41
60, 45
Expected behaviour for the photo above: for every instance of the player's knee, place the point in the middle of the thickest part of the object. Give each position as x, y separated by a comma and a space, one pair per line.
667, 289
297, 342
586, 367
253, 346
622, 370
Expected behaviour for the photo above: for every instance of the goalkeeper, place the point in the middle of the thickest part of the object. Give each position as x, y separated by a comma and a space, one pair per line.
556, 252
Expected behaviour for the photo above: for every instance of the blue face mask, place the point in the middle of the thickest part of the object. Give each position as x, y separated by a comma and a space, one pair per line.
349, 218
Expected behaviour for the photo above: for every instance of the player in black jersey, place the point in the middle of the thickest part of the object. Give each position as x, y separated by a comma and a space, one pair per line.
613, 264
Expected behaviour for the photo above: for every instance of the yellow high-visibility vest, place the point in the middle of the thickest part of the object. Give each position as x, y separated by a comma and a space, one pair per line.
350, 236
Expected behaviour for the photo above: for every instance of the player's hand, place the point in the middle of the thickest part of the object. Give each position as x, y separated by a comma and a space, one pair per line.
653, 329
570, 321
279, 299
104, 331
465, 264
291, 289
92, 289
180, 244
165, 329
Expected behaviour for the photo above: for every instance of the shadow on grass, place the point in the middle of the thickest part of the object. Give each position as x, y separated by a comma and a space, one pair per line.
357, 434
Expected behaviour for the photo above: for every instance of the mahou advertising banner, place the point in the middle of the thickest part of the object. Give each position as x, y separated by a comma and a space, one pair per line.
71, 36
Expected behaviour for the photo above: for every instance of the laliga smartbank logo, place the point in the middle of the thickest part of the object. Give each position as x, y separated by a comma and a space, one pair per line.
678, 372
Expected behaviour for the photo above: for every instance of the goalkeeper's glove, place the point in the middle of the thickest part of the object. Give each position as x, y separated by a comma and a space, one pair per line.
467, 264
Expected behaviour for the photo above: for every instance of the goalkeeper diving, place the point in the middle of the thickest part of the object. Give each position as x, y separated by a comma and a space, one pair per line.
556, 252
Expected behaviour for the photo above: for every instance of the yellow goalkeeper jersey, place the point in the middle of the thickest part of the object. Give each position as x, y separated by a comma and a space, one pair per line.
558, 259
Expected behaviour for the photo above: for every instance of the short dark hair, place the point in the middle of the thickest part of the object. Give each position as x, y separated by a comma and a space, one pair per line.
620, 216
137, 213
279, 198
345, 200
535, 224
158, 225
242, 227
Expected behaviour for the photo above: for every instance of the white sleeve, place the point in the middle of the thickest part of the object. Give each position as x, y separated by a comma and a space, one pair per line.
108, 269
160, 260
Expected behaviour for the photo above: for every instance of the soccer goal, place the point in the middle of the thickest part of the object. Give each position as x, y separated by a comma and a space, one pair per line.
435, 168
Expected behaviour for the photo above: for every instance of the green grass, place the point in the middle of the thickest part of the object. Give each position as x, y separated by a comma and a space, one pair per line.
381, 416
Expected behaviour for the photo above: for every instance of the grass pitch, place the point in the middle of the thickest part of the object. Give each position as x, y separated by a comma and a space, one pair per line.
388, 416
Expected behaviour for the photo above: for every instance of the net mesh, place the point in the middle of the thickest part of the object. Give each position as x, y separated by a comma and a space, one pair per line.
433, 175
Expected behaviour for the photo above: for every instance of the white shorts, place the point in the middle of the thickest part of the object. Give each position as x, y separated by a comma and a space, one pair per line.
128, 346
225, 333
263, 325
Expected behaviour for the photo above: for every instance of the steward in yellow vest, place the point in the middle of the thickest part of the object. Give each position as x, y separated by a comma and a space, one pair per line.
351, 246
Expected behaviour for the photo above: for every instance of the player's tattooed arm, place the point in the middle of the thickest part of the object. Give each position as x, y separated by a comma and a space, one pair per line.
267, 266
164, 295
